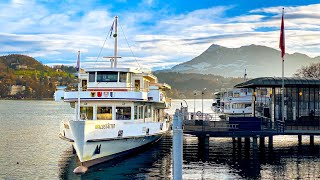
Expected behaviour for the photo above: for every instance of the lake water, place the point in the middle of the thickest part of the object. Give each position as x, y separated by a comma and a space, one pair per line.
31, 149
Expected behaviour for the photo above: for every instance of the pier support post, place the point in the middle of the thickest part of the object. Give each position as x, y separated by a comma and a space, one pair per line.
233, 142
239, 142
247, 143
299, 140
261, 142
270, 144
206, 141
177, 146
255, 143
311, 140
254, 147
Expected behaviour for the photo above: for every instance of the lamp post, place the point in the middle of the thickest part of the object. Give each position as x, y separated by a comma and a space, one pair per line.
202, 93
194, 104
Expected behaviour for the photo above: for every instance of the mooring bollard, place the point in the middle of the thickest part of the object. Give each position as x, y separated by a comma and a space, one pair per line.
177, 145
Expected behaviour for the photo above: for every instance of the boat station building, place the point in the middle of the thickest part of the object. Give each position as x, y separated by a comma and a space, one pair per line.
301, 100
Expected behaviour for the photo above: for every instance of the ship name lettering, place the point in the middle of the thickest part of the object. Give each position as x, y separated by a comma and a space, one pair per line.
105, 126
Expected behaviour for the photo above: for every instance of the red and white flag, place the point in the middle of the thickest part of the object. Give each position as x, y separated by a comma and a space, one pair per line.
282, 42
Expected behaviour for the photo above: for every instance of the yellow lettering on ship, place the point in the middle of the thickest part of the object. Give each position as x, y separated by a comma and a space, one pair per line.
105, 126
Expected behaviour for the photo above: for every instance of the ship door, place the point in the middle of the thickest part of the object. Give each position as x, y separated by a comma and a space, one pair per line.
137, 85
84, 84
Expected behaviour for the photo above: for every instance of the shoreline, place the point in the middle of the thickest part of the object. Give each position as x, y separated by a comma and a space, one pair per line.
28, 99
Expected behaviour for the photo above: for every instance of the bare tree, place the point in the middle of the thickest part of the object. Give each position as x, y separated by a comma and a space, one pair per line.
311, 71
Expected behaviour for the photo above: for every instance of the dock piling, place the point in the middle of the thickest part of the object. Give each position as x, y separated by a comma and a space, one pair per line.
177, 146
270, 143
239, 142
261, 142
299, 140
247, 142
312, 140
233, 142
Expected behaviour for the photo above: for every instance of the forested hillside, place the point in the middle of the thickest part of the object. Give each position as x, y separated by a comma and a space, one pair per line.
39, 80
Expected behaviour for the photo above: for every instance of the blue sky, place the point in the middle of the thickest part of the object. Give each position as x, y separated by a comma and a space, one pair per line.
160, 33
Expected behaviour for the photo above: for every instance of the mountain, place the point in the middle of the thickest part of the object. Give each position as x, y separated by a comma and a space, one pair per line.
232, 62
184, 85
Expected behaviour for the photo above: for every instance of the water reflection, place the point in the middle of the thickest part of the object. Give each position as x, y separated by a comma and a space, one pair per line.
153, 162
222, 160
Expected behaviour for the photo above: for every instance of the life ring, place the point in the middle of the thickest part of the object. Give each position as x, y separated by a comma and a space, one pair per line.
199, 113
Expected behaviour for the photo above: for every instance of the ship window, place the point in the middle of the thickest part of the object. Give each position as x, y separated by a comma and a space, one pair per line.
123, 113
123, 77
135, 112
140, 112
147, 112
105, 76
86, 113
92, 76
236, 95
104, 113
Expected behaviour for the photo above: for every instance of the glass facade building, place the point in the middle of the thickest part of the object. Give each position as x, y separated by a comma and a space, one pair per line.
301, 99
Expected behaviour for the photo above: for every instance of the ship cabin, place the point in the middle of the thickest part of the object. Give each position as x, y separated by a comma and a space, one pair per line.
120, 94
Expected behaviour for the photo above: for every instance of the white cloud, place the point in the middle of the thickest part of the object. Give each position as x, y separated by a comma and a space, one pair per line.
171, 39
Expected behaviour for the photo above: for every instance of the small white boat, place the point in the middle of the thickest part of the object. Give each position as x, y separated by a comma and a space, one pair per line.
238, 101
117, 110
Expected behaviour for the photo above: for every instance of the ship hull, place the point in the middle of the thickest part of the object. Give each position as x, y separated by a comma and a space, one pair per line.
94, 146
121, 147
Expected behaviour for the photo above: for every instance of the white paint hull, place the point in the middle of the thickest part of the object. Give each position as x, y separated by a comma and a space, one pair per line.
94, 145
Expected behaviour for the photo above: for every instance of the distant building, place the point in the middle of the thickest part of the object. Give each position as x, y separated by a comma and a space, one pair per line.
57, 66
14, 89
18, 66
21, 67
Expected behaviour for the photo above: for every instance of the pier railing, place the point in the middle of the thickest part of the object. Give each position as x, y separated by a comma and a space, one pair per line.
203, 116
232, 123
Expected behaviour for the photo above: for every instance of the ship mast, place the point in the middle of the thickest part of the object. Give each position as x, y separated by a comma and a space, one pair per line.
78, 104
115, 40
114, 58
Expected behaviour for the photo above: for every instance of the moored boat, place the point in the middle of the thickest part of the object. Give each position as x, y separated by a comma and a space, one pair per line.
117, 110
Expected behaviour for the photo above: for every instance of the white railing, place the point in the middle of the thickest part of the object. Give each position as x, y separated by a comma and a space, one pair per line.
203, 116
70, 96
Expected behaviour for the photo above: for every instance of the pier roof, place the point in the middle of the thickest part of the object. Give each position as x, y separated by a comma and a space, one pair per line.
277, 82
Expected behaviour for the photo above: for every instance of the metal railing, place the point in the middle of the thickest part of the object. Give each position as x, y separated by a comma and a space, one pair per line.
203, 116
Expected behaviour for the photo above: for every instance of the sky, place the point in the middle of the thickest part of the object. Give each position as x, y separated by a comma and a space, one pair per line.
154, 34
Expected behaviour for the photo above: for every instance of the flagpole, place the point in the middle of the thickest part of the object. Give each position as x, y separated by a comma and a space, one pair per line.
78, 107
282, 47
282, 102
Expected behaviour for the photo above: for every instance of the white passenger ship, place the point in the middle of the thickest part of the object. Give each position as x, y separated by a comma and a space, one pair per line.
120, 110
238, 101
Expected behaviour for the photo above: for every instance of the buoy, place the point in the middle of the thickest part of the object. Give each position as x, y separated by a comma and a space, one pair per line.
80, 170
